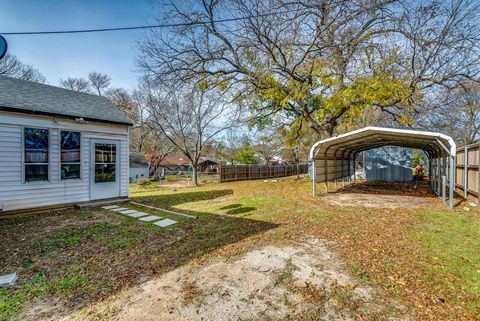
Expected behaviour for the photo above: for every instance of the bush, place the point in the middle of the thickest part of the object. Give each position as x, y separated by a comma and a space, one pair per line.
144, 182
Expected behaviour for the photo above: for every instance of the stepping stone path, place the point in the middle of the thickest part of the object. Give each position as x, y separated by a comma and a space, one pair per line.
119, 209
165, 222
110, 207
8, 280
150, 218
142, 216
138, 214
128, 212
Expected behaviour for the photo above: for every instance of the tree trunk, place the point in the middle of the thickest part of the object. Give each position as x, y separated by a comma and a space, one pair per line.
195, 174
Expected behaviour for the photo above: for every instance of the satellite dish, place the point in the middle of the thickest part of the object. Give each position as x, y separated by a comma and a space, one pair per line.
3, 47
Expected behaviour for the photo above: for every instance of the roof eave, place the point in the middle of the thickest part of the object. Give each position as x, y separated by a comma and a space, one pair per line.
42, 113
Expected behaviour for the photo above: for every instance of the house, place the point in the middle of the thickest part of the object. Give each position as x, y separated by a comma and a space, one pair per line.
139, 167
59, 146
176, 165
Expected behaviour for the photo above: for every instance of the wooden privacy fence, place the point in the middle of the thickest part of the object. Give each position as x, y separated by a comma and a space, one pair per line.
467, 169
230, 173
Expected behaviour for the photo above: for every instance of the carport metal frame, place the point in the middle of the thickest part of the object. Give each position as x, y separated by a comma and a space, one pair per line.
345, 148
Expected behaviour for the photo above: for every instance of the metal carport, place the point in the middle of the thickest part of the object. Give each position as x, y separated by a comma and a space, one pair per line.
333, 159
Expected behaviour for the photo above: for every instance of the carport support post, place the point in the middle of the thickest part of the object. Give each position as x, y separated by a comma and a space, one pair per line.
354, 168
314, 178
430, 172
326, 171
335, 170
452, 180
444, 188
465, 172
439, 175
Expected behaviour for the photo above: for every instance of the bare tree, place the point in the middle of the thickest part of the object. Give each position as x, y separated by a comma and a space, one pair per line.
268, 146
189, 118
99, 82
323, 61
124, 101
76, 84
458, 115
11, 66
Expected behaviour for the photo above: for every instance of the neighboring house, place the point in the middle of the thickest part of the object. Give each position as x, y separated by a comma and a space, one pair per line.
389, 163
59, 146
139, 167
174, 164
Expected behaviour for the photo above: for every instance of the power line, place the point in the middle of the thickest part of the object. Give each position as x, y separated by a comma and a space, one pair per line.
159, 26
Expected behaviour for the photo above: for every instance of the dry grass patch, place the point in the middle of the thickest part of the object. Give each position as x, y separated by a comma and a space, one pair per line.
423, 263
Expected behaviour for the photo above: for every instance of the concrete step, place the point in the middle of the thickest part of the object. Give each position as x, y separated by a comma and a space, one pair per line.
100, 203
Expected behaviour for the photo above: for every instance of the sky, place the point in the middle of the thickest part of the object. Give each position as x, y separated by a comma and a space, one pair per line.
75, 55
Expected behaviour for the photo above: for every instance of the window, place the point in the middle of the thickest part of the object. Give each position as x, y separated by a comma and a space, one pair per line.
105, 162
36, 154
70, 155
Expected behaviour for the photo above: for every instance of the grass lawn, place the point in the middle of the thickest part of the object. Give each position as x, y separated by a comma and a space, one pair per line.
427, 258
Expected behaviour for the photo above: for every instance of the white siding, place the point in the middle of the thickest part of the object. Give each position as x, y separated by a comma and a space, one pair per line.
138, 172
15, 194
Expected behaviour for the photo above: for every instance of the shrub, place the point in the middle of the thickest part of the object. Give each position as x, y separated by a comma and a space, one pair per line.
144, 182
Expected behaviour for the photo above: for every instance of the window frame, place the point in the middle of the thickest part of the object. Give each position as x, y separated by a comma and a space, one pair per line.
117, 166
60, 155
49, 165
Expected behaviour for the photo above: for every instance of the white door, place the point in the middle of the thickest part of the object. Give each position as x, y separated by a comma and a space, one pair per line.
105, 169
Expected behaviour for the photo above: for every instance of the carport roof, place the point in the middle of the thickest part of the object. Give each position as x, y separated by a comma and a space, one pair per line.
434, 143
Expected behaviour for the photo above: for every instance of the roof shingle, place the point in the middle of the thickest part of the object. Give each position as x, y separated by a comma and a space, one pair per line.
33, 97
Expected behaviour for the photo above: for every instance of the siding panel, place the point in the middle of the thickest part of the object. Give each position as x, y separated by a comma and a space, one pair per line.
15, 194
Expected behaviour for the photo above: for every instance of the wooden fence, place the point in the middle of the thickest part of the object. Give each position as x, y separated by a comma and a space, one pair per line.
231, 173
467, 169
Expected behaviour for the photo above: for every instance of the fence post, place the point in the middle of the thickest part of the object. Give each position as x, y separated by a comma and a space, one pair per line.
478, 175
235, 171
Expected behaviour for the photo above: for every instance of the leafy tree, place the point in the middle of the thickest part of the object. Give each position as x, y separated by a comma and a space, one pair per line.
322, 62
246, 154
418, 158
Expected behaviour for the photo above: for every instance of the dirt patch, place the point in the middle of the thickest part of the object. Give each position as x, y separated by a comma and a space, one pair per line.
379, 201
303, 280
385, 195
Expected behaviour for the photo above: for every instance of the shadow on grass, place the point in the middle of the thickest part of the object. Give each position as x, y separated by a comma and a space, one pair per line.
109, 250
231, 206
167, 201
241, 210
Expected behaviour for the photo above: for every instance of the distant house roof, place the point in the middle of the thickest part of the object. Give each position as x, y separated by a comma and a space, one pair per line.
138, 160
29, 97
176, 160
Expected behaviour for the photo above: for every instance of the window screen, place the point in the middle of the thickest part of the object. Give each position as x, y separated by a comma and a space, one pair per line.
36, 154
70, 143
